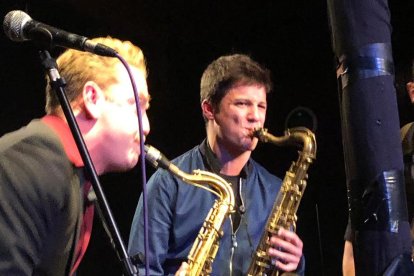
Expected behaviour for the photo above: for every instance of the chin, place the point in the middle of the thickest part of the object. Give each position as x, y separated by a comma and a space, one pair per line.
120, 168
133, 161
124, 166
251, 146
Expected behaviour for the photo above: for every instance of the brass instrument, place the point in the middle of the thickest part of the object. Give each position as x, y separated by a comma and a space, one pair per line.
283, 214
204, 249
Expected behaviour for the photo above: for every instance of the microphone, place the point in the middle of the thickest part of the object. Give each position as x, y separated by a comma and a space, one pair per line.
19, 27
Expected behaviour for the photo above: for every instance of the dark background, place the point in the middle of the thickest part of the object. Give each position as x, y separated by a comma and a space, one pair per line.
179, 39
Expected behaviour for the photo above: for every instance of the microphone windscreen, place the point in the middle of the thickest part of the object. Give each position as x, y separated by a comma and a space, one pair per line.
13, 25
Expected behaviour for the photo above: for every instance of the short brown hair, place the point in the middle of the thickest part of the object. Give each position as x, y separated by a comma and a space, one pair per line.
77, 67
228, 71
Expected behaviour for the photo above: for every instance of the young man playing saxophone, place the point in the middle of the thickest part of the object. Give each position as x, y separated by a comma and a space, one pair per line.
233, 103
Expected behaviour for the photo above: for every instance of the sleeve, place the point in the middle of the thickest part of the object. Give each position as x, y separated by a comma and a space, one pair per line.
161, 191
301, 267
31, 200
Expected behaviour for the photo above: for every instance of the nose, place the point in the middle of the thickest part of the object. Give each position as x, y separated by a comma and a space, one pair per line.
254, 114
145, 124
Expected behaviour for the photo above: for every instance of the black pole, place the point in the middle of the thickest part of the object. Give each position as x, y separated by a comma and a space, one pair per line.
361, 38
104, 210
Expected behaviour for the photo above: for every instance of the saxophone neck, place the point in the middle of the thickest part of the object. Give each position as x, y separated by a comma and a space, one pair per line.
202, 179
298, 136
307, 138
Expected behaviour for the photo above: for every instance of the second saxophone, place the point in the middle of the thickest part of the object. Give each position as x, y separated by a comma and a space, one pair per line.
204, 249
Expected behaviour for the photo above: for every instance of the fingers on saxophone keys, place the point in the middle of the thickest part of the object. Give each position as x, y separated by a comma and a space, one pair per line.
283, 260
285, 249
291, 266
289, 237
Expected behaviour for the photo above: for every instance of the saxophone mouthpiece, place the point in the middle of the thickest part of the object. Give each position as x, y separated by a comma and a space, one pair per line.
155, 157
259, 132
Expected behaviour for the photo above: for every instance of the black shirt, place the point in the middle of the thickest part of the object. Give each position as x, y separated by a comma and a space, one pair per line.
213, 163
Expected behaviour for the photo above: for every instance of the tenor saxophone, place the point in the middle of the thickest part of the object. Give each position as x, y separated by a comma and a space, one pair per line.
287, 202
205, 247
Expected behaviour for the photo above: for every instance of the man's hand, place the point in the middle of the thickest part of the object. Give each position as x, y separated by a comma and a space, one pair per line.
286, 250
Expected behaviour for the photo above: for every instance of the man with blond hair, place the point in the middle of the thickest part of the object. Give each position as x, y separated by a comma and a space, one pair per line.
45, 214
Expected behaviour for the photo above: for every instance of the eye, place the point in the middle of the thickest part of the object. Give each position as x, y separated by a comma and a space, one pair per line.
241, 103
263, 106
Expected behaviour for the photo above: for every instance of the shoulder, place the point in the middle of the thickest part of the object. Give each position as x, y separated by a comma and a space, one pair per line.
190, 159
38, 196
186, 162
36, 134
33, 160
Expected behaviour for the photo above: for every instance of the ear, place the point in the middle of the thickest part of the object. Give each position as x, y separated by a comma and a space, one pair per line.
92, 98
208, 110
410, 90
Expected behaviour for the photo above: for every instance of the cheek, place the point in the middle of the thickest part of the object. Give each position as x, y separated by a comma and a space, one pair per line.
235, 119
118, 125
124, 119
263, 117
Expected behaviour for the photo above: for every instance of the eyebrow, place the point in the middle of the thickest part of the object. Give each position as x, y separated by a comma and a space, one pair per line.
145, 98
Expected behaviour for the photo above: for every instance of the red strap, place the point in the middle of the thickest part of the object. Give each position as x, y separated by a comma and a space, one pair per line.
85, 231
62, 130
65, 135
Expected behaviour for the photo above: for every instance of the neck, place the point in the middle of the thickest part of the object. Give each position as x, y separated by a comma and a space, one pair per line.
234, 166
232, 162
91, 138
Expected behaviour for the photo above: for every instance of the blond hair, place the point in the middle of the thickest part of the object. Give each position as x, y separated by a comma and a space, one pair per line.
76, 68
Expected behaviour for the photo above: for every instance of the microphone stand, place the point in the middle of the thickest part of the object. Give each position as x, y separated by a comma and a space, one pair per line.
104, 211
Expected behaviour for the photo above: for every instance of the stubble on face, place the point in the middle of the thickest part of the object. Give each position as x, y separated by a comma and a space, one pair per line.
241, 110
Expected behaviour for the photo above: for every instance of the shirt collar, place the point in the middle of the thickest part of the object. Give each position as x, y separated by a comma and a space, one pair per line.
211, 160
61, 128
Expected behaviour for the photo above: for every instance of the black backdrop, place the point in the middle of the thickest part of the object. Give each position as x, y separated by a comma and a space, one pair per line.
179, 39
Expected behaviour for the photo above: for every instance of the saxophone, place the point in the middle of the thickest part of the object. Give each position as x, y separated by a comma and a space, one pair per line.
204, 249
288, 199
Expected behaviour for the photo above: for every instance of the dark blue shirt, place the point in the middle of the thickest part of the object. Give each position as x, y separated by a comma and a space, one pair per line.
177, 211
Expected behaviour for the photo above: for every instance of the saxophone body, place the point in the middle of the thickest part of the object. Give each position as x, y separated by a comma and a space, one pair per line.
283, 214
205, 247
